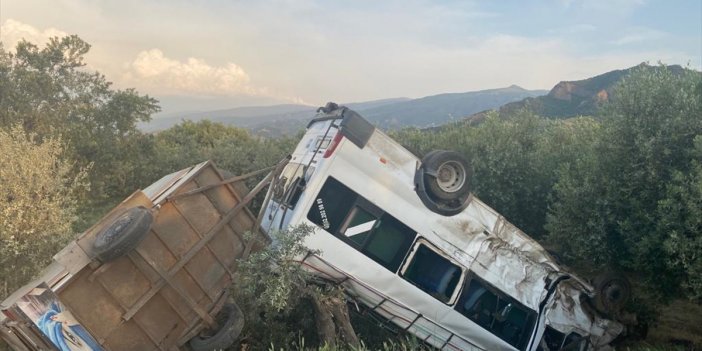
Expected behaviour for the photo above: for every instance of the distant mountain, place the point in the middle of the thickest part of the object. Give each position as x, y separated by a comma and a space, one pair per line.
439, 109
269, 120
243, 116
289, 123
387, 113
573, 98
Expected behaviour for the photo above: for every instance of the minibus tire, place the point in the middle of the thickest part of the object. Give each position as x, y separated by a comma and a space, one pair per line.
452, 161
612, 291
231, 325
123, 234
442, 207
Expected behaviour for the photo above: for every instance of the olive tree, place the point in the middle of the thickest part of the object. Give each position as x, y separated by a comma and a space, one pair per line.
50, 92
629, 201
38, 192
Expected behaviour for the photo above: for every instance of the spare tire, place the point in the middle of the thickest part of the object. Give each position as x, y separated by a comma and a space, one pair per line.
231, 321
612, 291
447, 175
123, 234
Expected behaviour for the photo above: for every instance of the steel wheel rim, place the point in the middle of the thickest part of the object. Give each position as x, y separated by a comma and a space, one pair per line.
450, 176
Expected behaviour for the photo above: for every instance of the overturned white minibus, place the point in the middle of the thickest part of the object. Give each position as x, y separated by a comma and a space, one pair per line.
408, 240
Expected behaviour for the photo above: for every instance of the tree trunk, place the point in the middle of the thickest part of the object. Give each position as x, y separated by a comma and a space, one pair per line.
324, 321
340, 310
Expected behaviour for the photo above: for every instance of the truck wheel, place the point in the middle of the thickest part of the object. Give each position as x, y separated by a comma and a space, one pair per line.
231, 321
123, 234
447, 175
612, 292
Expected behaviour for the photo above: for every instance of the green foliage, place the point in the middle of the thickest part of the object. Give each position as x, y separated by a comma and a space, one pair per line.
680, 218
397, 344
231, 148
622, 204
38, 192
271, 289
49, 93
270, 279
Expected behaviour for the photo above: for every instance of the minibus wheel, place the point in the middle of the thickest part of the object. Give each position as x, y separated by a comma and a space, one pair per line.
123, 234
231, 322
612, 291
447, 175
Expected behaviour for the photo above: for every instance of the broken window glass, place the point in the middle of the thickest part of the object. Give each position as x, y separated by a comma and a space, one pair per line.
496, 312
361, 224
554, 340
574, 342
551, 341
433, 273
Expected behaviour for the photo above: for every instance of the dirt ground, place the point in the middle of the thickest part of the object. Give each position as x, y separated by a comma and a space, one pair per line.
679, 324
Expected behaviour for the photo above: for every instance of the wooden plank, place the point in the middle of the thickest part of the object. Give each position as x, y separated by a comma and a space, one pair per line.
91, 304
148, 270
166, 279
111, 293
72, 258
198, 246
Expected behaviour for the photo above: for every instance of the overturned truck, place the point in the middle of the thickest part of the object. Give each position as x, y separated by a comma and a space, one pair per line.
153, 274
409, 241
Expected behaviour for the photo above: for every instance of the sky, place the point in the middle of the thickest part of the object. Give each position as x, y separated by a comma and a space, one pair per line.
213, 54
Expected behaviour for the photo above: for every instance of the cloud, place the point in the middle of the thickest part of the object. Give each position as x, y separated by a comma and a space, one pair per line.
193, 76
13, 31
604, 5
638, 35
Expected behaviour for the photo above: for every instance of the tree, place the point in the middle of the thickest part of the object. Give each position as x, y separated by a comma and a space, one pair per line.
680, 219
233, 149
38, 201
273, 285
616, 206
49, 93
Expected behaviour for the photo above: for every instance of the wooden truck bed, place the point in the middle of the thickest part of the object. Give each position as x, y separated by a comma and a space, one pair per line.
164, 292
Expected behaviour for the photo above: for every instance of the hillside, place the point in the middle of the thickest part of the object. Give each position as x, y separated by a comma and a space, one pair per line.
439, 109
573, 98
391, 113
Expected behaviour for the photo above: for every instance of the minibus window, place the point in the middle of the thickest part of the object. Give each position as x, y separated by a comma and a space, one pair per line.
554, 340
331, 206
389, 242
496, 312
359, 223
433, 273
551, 341
322, 144
574, 342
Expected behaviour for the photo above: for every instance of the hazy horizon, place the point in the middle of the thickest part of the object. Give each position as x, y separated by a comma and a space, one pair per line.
219, 54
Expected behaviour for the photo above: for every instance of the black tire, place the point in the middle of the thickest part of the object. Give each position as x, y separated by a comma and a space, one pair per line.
231, 321
123, 234
447, 175
612, 291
